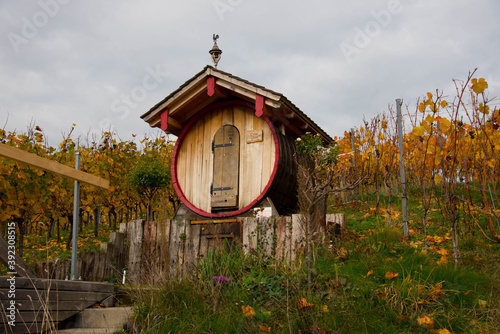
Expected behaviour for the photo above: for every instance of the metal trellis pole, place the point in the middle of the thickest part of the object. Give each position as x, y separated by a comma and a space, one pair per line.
402, 169
76, 216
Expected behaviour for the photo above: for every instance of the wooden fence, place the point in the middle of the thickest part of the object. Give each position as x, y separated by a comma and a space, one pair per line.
151, 252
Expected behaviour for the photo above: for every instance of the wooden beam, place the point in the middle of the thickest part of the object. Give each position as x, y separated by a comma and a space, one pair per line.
275, 115
195, 222
154, 113
244, 85
248, 93
51, 166
219, 236
185, 99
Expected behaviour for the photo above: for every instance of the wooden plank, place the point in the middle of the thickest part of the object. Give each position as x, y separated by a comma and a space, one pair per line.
206, 167
59, 285
255, 155
177, 230
249, 233
268, 155
215, 221
203, 250
298, 235
20, 267
220, 236
135, 232
192, 182
247, 156
187, 249
182, 245
198, 187
280, 238
148, 260
227, 116
288, 239
193, 247
51, 166
75, 296
239, 123
266, 232
190, 175
173, 245
215, 122
164, 245
180, 169
27, 305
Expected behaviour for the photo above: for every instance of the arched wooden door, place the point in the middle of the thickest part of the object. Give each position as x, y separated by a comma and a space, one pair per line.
225, 185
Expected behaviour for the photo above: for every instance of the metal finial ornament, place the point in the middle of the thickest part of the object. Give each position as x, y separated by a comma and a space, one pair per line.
215, 53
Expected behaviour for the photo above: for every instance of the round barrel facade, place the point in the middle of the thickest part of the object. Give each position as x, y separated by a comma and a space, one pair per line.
226, 160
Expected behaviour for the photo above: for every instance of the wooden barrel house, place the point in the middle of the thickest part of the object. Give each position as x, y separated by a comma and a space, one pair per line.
235, 144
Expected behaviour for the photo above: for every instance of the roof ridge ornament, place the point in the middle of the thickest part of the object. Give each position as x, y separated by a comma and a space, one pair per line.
215, 53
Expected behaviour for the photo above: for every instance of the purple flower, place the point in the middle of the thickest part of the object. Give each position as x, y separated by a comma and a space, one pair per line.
221, 279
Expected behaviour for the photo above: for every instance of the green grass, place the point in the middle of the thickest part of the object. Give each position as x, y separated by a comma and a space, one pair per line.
353, 290
369, 280
350, 293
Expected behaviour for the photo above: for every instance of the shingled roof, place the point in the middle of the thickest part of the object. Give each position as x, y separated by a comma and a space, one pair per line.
211, 85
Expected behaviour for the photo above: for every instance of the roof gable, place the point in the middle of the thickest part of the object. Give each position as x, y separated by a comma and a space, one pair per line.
211, 85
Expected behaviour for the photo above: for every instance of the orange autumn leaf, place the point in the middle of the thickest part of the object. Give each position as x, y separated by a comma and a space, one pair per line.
369, 273
425, 321
443, 261
478, 86
248, 311
443, 331
391, 275
303, 303
264, 329
442, 251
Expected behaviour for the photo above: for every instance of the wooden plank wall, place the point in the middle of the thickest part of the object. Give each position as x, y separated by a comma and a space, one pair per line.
160, 250
40, 303
195, 158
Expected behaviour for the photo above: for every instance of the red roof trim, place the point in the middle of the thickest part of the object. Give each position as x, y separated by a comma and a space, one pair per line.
210, 86
164, 119
259, 105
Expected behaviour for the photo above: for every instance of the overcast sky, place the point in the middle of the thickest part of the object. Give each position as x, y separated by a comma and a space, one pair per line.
102, 64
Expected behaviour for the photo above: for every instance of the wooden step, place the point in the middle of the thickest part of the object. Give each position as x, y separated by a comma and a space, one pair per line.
101, 320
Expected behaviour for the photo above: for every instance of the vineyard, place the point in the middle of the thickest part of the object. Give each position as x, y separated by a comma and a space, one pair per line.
40, 203
451, 150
